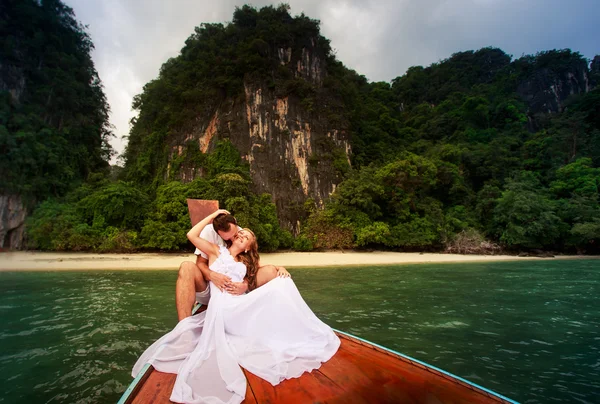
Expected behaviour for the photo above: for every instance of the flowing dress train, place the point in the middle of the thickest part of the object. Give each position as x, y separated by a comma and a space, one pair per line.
270, 331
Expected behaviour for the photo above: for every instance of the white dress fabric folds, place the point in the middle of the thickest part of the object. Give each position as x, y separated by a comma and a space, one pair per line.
270, 331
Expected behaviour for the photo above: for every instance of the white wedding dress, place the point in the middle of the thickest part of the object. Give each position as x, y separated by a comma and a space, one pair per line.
270, 332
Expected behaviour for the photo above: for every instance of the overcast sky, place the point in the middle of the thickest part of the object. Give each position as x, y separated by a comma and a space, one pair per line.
379, 39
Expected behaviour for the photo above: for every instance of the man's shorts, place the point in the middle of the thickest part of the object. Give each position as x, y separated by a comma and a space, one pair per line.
203, 297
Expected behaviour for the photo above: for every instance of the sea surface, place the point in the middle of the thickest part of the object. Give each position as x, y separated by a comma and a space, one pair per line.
527, 330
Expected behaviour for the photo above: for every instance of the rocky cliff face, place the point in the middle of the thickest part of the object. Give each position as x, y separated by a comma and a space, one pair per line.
12, 210
288, 146
12, 80
595, 71
12, 221
546, 89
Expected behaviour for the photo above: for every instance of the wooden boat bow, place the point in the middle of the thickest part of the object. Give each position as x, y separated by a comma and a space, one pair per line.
360, 372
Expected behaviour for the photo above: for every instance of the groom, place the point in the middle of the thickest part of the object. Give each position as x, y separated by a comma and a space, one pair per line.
192, 281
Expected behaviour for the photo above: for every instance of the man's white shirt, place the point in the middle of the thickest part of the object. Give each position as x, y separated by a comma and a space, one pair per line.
209, 234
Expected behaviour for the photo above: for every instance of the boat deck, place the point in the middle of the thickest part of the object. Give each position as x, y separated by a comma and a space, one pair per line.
358, 373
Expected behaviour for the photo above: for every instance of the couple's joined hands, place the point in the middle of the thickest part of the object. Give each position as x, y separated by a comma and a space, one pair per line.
225, 284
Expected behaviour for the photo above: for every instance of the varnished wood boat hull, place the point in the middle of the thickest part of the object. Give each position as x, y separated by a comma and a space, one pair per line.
360, 372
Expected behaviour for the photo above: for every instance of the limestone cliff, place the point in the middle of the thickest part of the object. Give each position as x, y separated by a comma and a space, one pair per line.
287, 145
547, 86
595, 71
12, 220
12, 210
12, 80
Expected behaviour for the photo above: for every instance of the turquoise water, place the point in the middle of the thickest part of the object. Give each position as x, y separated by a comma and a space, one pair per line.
528, 330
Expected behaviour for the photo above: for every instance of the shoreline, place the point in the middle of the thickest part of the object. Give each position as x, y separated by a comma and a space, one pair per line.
67, 261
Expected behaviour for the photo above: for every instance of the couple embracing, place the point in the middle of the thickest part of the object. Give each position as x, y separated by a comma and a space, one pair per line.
269, 331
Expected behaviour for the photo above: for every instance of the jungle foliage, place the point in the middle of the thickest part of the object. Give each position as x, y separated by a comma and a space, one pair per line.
456, 153
123, 216
445, 150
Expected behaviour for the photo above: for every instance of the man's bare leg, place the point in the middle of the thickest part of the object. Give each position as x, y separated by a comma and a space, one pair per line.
265, 274
189, 281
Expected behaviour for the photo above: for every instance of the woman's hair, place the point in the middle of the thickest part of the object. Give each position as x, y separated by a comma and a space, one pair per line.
251, 259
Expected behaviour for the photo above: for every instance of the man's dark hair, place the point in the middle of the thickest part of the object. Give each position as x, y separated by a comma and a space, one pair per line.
223, 221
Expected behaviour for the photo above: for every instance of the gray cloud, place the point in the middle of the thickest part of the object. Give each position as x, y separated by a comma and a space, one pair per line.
379, 39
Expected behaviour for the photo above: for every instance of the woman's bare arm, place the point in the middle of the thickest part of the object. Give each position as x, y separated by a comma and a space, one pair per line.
210, 249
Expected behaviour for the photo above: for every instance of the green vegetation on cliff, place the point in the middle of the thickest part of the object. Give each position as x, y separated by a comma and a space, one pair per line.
54, 128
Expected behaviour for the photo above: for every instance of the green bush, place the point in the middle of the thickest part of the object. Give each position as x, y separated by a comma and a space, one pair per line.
164, 236
303, 243
524, 215
377, 233
119, 204
168, 221
115, 240
415, 233
586, 236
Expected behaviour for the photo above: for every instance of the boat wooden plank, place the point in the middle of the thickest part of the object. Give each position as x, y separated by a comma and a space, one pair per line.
157, 389
368, 380
395, 375
389, 374
250, 396
136, 385
311, 387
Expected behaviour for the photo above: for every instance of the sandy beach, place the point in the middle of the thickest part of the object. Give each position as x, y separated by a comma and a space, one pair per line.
43, 261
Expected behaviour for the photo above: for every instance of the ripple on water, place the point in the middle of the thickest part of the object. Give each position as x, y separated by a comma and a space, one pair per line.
541, 342
473, 376
121, 346
447, 324
486, 333
26, 354
509, 351
48, 319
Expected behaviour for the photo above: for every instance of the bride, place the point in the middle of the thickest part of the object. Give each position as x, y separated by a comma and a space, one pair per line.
270, 331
